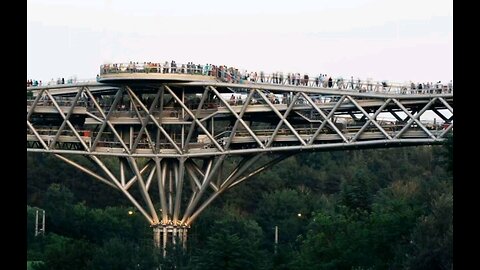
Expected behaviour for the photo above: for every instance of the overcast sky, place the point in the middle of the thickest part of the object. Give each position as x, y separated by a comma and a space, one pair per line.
395, 40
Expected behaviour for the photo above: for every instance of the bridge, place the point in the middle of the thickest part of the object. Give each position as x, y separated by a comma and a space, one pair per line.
165, 132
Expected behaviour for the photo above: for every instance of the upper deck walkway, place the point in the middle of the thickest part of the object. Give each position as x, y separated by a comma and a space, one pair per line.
229, 79
212, 73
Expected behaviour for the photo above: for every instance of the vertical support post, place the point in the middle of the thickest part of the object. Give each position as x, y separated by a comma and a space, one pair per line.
156, 237
179, 176
165, 235
183, 137
36, 222
43, 223
161, 174
122, 172
157, 144
130, 139
276, 239
174, 235
184, 238
213, 127
183, 119
170, 189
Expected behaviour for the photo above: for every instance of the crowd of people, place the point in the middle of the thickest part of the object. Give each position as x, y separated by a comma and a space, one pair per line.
227, 74
32, 82
234, 75
222, 72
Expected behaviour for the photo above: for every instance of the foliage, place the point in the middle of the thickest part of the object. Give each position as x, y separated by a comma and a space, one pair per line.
63, 252
361, 209
124, 254
232, 244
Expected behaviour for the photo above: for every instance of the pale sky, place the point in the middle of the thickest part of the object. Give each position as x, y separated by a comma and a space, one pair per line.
394, 40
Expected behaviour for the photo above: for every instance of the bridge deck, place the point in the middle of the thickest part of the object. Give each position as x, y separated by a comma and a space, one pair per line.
173, 115
285, 137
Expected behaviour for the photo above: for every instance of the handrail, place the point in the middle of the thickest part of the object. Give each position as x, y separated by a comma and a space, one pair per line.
235, 75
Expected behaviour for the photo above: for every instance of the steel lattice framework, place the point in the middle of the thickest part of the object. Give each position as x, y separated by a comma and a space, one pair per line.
171, 135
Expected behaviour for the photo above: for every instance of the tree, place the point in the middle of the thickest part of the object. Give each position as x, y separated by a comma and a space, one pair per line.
281, 208
432, 238
233, 244
357, 192
335, 240
58, 205
124, 254
395, 212
66, 253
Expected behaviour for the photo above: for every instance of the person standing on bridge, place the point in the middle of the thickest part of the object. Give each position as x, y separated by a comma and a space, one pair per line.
305, 79
159, 67
204, 71
166, 67
297, 78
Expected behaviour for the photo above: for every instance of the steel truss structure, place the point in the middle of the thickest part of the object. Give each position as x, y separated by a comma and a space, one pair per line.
170, 139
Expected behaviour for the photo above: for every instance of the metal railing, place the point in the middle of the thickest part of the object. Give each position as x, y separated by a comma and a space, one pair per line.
235, 75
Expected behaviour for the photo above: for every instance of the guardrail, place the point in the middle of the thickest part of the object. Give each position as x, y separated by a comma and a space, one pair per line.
235, 75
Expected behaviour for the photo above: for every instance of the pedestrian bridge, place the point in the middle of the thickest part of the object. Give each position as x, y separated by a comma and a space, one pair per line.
169, 125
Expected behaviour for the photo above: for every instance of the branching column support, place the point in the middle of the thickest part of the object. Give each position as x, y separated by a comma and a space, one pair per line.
171, 182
